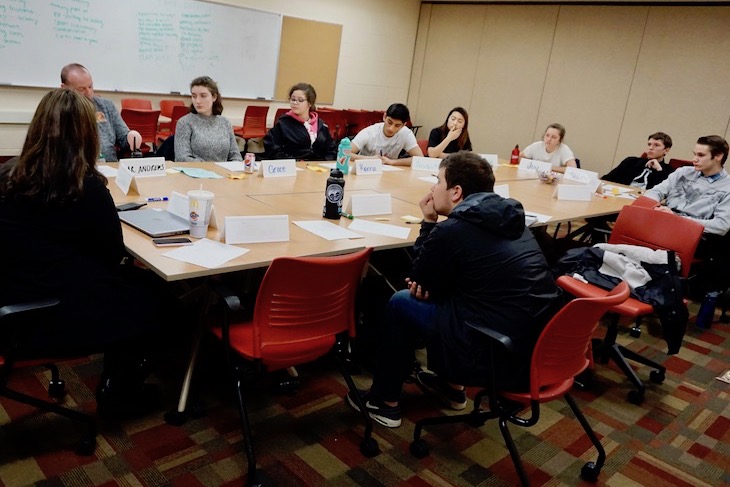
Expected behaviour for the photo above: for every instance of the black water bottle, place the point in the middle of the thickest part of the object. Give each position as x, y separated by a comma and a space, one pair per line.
334, 194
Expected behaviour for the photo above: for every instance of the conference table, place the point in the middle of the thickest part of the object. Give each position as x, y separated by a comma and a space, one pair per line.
301, 197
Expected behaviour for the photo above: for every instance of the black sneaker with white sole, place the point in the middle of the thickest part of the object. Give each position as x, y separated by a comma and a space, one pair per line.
453, 398
389, 416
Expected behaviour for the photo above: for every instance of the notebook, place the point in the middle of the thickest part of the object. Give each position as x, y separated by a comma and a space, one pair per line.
154, 222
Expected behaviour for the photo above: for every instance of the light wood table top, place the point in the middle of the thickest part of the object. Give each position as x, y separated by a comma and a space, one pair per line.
302, 198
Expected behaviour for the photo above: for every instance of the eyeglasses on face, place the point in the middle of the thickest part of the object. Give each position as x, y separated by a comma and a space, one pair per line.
297, 100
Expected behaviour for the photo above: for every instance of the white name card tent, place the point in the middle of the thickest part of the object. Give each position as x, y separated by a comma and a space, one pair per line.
278, 168
369, 204
367, 166
256, 229
583, 176
573, 192
430, 164
178, 205
533, 165
492, 159
146, 167
502, 190
126, 181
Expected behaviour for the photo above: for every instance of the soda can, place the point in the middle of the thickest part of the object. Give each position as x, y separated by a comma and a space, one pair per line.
248, 162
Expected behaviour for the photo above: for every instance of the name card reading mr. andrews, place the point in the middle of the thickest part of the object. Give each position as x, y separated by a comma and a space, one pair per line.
278, 168
589, 178
368, 166
533, 165
430, 164
145, 167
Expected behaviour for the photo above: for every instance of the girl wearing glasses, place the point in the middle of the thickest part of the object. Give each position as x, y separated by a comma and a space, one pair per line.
300, 134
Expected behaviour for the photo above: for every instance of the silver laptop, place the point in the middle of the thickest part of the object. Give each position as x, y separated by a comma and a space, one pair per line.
155, 223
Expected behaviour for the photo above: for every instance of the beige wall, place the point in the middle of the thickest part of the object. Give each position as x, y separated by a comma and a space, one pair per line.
374, 69
611, 75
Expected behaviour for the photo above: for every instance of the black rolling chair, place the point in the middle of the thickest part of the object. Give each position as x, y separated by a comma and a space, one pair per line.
14, 320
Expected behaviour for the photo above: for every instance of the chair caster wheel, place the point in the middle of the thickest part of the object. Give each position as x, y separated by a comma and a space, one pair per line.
57, 388
635, 332
176, 418
369, 448
86, 446
635, 397
419, 448
656, 376
590, 472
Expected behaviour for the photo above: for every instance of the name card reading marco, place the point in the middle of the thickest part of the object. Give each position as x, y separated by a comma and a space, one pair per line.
430, 164
370, 204
368, 166
145, 167
256, 229
533, 165
278, 168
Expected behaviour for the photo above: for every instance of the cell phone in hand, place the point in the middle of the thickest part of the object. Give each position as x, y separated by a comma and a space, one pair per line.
171, 241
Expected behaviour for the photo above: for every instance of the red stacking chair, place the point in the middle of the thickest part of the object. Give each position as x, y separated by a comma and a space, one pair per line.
677, 163
144, 122
178, 112
559, 355
298, 317
166, 107
423, 144
335, 121
356, 120
136, 103
279, 113
254, 123
15, 322
639, 225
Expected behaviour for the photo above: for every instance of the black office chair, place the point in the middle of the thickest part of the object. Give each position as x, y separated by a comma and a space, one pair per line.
16, 322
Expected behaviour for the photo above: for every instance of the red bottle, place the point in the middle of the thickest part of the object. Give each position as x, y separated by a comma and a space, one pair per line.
515, 159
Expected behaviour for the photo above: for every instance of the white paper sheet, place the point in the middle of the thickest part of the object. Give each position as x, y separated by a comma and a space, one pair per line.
233, 166
387, 168
367, 226
429, 179
327, 230
540, 217
206, 253
609, 189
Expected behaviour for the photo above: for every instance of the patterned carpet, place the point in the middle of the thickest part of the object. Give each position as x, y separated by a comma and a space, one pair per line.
680, 436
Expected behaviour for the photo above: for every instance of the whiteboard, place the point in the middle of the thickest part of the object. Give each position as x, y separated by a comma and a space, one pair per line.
146, 46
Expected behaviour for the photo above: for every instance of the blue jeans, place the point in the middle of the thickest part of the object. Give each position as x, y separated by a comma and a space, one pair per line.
407, 320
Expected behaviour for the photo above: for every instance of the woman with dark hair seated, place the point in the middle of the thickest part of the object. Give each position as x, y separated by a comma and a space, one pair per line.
300, 133
451, 136
62, 238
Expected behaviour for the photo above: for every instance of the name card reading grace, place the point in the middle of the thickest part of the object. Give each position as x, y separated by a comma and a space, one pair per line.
278, 168
430, 164
126, 181
533, 165
146, 167
256, 229
369, 204
589, 178
367, 166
